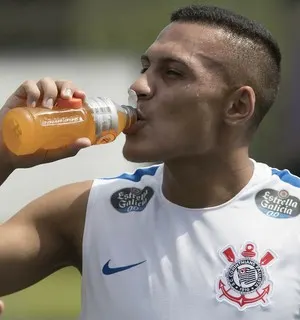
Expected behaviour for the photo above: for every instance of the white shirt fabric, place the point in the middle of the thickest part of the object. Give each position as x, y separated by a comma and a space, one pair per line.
145, 258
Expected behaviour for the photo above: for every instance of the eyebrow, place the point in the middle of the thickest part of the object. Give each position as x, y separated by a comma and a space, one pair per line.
207, 61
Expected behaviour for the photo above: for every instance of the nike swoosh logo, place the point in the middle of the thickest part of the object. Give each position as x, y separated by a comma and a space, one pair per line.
107, 270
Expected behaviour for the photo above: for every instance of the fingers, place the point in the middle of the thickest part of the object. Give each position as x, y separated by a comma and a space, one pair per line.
30, 91
43, 93
67, 151
67, 89
46, 156
27, 94
48, 92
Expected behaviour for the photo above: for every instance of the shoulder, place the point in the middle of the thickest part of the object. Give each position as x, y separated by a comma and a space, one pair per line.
278, 194
58, 203
281, 178
278, 185
64, 208
149, 175
286, 178
137, 187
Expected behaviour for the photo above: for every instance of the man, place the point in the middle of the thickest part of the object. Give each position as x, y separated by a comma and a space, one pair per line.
200, 236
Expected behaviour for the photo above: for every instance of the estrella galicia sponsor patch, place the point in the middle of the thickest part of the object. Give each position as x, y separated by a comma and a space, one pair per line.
131, 199
277, 204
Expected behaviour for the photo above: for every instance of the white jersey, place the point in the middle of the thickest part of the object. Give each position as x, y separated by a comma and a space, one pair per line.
145, 258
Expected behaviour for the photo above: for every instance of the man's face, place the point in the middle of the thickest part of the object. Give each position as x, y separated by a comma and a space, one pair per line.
181, 95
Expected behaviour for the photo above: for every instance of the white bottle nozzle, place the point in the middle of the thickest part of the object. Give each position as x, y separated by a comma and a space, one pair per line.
132, 98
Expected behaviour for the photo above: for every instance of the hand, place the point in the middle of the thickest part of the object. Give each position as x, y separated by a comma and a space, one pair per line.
39, 94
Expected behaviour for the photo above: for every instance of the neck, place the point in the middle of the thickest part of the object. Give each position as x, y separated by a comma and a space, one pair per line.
206, 181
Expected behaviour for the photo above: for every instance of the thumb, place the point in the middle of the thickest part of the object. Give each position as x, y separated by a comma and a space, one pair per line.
80, 144
67, 151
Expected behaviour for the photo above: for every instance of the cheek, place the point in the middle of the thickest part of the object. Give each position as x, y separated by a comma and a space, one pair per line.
175, 103
178, 124
182, 110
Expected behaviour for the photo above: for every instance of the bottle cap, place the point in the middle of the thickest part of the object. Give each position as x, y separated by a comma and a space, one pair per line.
74, 103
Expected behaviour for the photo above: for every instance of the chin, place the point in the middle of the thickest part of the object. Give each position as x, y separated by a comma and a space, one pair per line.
137, 154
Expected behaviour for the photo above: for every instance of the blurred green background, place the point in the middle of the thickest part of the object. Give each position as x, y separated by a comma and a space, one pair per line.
125, 28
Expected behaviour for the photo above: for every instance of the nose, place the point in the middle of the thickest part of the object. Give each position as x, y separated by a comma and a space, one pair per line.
142, 87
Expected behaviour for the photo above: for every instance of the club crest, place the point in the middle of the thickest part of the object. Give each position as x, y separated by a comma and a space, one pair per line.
245, 282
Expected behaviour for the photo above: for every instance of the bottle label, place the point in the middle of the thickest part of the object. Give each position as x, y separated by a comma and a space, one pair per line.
60, 120
105, 114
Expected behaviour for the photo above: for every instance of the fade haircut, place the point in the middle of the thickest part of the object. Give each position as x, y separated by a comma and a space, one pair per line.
256, 52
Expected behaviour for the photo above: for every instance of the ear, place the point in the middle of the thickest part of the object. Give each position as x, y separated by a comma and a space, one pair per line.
241, 106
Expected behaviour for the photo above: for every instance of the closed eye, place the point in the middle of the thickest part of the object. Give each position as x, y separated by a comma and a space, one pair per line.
169, 72
172, 72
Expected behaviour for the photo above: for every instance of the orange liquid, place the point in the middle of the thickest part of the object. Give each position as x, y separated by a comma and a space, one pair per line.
26, 130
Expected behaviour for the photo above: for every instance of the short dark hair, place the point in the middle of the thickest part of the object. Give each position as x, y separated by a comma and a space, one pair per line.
264, 57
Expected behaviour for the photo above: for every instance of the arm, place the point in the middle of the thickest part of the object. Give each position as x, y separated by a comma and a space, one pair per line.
46, 235
43, 237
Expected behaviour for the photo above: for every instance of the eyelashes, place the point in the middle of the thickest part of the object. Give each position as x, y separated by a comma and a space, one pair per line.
168, 72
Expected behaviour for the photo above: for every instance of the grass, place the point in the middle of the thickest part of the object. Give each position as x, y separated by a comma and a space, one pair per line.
57, 297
